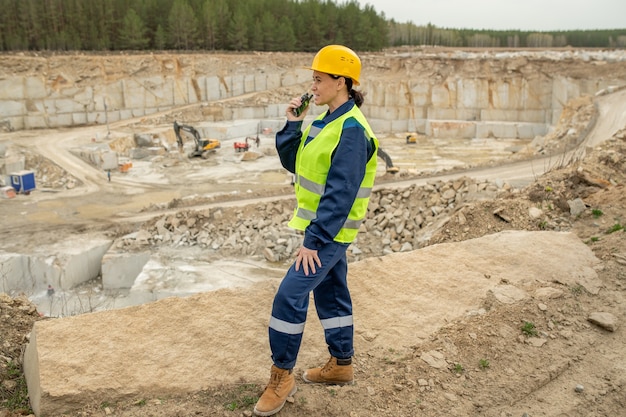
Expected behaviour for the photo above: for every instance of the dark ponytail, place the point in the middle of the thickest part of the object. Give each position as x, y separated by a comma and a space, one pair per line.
358, 96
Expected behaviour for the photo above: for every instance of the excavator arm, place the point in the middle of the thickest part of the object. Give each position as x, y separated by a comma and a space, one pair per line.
203, 146
388, 163
189, 129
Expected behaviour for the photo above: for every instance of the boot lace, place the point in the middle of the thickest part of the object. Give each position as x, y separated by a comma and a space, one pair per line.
276, 380
328, 367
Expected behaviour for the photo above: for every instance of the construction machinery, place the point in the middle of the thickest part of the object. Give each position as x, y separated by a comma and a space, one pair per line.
243, 147
203, 147
388, 163
411, 137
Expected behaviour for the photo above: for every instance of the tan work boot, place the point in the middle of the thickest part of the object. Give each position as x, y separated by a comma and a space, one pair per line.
331, 373
282, 385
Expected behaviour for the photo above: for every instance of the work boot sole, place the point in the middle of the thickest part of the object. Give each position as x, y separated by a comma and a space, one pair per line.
277, 409
305, 379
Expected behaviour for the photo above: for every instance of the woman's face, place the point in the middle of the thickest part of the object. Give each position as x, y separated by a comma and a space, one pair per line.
328, 90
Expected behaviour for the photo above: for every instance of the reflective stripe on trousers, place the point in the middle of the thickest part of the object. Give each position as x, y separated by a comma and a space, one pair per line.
332, 302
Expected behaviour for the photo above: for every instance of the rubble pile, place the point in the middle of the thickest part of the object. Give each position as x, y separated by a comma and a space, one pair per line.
577, 117
398, 221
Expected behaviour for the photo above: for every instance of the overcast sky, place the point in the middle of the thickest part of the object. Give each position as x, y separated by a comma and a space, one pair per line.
540, 15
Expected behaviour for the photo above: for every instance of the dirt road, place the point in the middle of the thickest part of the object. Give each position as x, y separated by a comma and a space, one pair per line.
136, 193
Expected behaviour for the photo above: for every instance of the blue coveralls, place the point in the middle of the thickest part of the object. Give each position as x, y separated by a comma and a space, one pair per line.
329, 283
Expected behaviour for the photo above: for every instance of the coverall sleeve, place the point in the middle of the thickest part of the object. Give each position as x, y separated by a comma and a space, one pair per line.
287, 143
346, 173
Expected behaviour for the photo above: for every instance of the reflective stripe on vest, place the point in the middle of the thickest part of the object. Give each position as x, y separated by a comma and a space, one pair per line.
313, 169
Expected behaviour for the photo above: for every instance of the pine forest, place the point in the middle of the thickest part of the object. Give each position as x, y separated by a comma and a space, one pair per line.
246, 25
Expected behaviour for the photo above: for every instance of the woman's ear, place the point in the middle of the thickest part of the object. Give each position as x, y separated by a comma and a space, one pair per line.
341, 82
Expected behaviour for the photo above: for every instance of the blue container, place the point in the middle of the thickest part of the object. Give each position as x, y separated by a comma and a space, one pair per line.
23, 181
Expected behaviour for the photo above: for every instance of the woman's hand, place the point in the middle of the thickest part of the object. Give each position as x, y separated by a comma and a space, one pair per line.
308, 259
294, 104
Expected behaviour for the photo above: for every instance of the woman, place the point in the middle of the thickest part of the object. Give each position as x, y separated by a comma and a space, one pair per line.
334, 162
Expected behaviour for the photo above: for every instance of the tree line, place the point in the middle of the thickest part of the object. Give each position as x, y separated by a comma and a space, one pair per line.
244, 25
237, 25
410, 34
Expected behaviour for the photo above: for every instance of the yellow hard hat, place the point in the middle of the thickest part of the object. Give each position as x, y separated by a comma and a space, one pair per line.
338, 60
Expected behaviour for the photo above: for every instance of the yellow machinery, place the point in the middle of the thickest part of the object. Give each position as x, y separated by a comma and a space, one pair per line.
203, 146
388, 163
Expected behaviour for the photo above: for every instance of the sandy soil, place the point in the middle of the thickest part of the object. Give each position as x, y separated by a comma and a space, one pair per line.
563, 365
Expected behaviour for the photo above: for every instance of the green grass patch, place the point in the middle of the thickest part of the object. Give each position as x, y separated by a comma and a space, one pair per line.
245, 396
13, 391
576, 289
615, 228
529, 329
596, 213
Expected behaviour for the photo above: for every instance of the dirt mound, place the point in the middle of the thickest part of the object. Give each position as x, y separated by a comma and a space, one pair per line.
597, 182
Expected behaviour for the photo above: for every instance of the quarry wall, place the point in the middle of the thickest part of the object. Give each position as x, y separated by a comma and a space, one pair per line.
447, 94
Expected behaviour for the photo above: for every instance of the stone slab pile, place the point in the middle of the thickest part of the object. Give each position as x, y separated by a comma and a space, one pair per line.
63, 265
398, 221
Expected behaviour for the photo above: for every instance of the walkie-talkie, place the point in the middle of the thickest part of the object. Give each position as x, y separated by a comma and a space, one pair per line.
306, 97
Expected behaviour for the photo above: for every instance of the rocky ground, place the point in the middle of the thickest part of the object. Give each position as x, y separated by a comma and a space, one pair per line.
550, 356
554, 354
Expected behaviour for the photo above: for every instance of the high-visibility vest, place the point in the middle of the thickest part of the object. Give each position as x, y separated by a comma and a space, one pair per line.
312, 165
